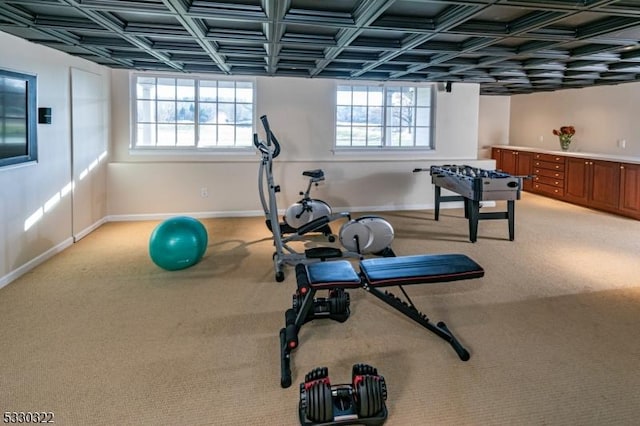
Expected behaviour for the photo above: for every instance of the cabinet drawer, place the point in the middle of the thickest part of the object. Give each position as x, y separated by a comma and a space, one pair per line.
548, 165
556, 174
549, 157
548, 189
549, 181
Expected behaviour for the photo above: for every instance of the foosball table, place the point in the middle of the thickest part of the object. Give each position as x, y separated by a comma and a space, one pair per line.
475, 185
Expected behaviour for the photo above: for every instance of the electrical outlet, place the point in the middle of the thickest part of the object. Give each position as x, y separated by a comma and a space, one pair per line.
622, 143
204, 192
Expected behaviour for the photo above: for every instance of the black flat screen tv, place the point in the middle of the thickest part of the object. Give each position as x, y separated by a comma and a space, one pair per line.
18, 118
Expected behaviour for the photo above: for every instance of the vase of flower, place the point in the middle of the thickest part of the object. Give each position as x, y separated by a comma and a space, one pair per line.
564, 135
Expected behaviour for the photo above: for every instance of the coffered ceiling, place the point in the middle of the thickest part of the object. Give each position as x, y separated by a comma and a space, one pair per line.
507, 46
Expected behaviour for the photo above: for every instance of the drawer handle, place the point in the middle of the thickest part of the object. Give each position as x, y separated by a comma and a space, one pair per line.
557, 183
557, 167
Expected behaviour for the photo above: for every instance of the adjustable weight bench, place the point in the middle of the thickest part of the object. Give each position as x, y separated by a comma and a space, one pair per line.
338, 276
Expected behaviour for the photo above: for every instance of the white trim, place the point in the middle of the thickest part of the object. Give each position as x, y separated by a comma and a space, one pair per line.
197, 215
23, 269
80, 235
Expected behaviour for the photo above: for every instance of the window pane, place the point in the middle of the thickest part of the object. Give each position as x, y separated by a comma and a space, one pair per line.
208, 91
244, 114
343, 115
166, 112
146, 135
423, 137
393, 116
343, 136
423, 116
407, 116
359, 115
360, 96
166, 134
244, 136
226, 113
15, 131
344, 95
358, 136
146, 88
406, 136
166, 88
393, 136
375, 96
394, 96
244, 92
226, 91
374, 136
207, 136
186, 90
208, 113
375, 115
146, 111
226, 135
186, 135
186, 112
424, 96
408, 96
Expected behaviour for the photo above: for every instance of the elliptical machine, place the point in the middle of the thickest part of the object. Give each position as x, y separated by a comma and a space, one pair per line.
364, 235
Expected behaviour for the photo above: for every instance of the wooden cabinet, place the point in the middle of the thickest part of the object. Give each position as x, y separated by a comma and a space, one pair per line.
549, 174
599, 184
593, 183
629, 202
516, 163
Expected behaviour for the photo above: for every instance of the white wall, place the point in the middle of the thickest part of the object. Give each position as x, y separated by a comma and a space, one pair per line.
602, 116
301, 113
31, 189
493, 123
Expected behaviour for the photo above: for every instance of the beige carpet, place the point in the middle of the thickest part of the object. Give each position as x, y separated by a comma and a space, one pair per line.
100, 335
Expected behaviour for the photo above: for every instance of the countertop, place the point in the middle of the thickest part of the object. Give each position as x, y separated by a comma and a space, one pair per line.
591, 155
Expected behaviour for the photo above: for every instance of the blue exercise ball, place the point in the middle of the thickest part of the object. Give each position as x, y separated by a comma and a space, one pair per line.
178, 243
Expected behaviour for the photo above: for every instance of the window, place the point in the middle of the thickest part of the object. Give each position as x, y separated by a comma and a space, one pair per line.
187, 113
18, 128
384, 116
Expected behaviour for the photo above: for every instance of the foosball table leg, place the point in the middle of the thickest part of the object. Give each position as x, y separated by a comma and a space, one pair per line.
511, 209
437, 202
474, 216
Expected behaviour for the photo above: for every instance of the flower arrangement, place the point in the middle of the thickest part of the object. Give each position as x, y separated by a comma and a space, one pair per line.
565, 134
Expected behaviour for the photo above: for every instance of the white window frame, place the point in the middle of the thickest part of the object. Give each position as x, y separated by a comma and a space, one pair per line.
385, 126
176, 148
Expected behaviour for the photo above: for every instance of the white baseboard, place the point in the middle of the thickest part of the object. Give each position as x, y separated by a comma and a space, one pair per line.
20, 271
197, 215
80, 235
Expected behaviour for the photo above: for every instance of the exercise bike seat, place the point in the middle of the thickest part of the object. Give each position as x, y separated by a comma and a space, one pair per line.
314, 174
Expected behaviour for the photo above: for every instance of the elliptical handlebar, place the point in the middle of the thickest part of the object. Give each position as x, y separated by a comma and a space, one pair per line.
265, 148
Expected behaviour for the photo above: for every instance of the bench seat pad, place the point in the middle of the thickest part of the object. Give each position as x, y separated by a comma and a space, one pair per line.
419, 269
338, 273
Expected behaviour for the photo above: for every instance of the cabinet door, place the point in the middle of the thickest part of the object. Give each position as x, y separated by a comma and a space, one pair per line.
524, 167
604, 186
496, 154
629, 202
508, 161
576, 180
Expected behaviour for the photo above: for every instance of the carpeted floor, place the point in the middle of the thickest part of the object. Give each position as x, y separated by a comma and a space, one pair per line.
100, 335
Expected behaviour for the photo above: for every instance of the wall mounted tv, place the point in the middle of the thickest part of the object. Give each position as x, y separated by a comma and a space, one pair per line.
18, 118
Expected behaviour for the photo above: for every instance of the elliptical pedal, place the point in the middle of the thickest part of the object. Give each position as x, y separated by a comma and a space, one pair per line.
323, 253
